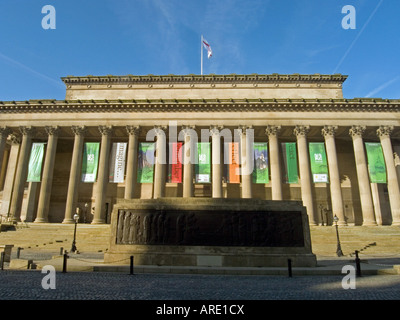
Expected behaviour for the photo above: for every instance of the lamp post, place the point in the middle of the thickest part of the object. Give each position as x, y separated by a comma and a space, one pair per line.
339, 248
76, 219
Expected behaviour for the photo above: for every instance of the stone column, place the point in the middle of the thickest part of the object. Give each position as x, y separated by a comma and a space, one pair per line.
305, 173
4, 132
392, 181
364, 186
103, 178
160, 162
216, 161
188, 161
336, 191
247, 160
132, 159
75, 174
276, 176
10, 175
47, 177
21, 174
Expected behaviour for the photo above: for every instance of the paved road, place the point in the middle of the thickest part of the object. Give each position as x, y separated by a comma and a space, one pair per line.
155, 291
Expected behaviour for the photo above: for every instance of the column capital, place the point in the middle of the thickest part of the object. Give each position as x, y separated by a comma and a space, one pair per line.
160, 130
4, 132
105, 130
134, 130
78, 130
242, 129
329, 131
27, 130
15, 139
188, 129
272, 130
384, 131
52, 131
301, 130
357, 131
215, 129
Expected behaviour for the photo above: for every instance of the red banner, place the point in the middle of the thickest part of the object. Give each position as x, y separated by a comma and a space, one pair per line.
233, 171
176, 166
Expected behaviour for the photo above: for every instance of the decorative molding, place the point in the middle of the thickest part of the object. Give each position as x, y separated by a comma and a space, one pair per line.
52, 130
4, 132
357, 131
105, 130
27, 130
384, 131
301, 130
134, 130
329, 131
79, 130
272, 130
15, 139
215, 130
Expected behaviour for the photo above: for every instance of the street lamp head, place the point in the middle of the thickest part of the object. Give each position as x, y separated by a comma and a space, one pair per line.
76, 217
335, 218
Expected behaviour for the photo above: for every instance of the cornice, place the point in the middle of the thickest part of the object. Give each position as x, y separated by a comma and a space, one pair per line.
192, 78
201, 105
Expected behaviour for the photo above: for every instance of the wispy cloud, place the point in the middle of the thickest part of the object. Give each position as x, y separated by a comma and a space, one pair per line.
31, 71
357, 37
383, 86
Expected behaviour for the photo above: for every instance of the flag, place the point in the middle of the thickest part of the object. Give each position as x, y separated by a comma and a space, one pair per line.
208, 48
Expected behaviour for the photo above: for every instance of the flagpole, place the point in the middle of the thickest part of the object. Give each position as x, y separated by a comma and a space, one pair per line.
201, 50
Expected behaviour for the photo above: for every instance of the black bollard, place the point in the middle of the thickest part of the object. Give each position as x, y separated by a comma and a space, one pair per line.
358, 266
2, 260
65, 263
290, 267
131, 268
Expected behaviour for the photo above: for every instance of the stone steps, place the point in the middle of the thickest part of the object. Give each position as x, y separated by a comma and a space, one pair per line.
385, 238
53, 236
95, 238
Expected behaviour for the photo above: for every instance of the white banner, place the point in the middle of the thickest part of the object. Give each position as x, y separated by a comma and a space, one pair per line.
117, 163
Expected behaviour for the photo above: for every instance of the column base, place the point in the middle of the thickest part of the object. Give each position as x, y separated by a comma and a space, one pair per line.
98, 221
40, 220
369, 224
66, 221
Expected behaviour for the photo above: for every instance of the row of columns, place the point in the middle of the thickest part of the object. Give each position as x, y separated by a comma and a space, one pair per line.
272, 132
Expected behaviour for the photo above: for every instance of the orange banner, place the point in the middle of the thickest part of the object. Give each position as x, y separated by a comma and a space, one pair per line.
233, 150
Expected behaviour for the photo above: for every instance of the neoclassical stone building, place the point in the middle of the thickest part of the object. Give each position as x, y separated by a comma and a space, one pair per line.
247, 125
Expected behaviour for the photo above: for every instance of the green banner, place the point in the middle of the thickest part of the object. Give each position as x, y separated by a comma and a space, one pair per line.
35, 162
376, 162
319, 164
146, 162
289, 155
203, 165
260, 172
90, 161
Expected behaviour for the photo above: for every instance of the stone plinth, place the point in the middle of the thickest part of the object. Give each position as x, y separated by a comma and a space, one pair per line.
210, 232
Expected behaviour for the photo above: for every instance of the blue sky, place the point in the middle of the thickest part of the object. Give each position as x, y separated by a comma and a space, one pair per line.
140, 37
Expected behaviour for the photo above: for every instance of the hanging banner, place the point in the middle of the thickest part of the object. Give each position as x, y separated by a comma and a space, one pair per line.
233, 162
319, 165
146, 162
176, 165
376, 162
35, 162
260, 173
90, 161
289, 156
117, 162
203, 165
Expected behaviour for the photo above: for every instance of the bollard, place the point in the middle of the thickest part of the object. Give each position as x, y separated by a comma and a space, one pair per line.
65, 263
358, 266
290, 267
2, 260
131, 268
19, 252
61, 250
